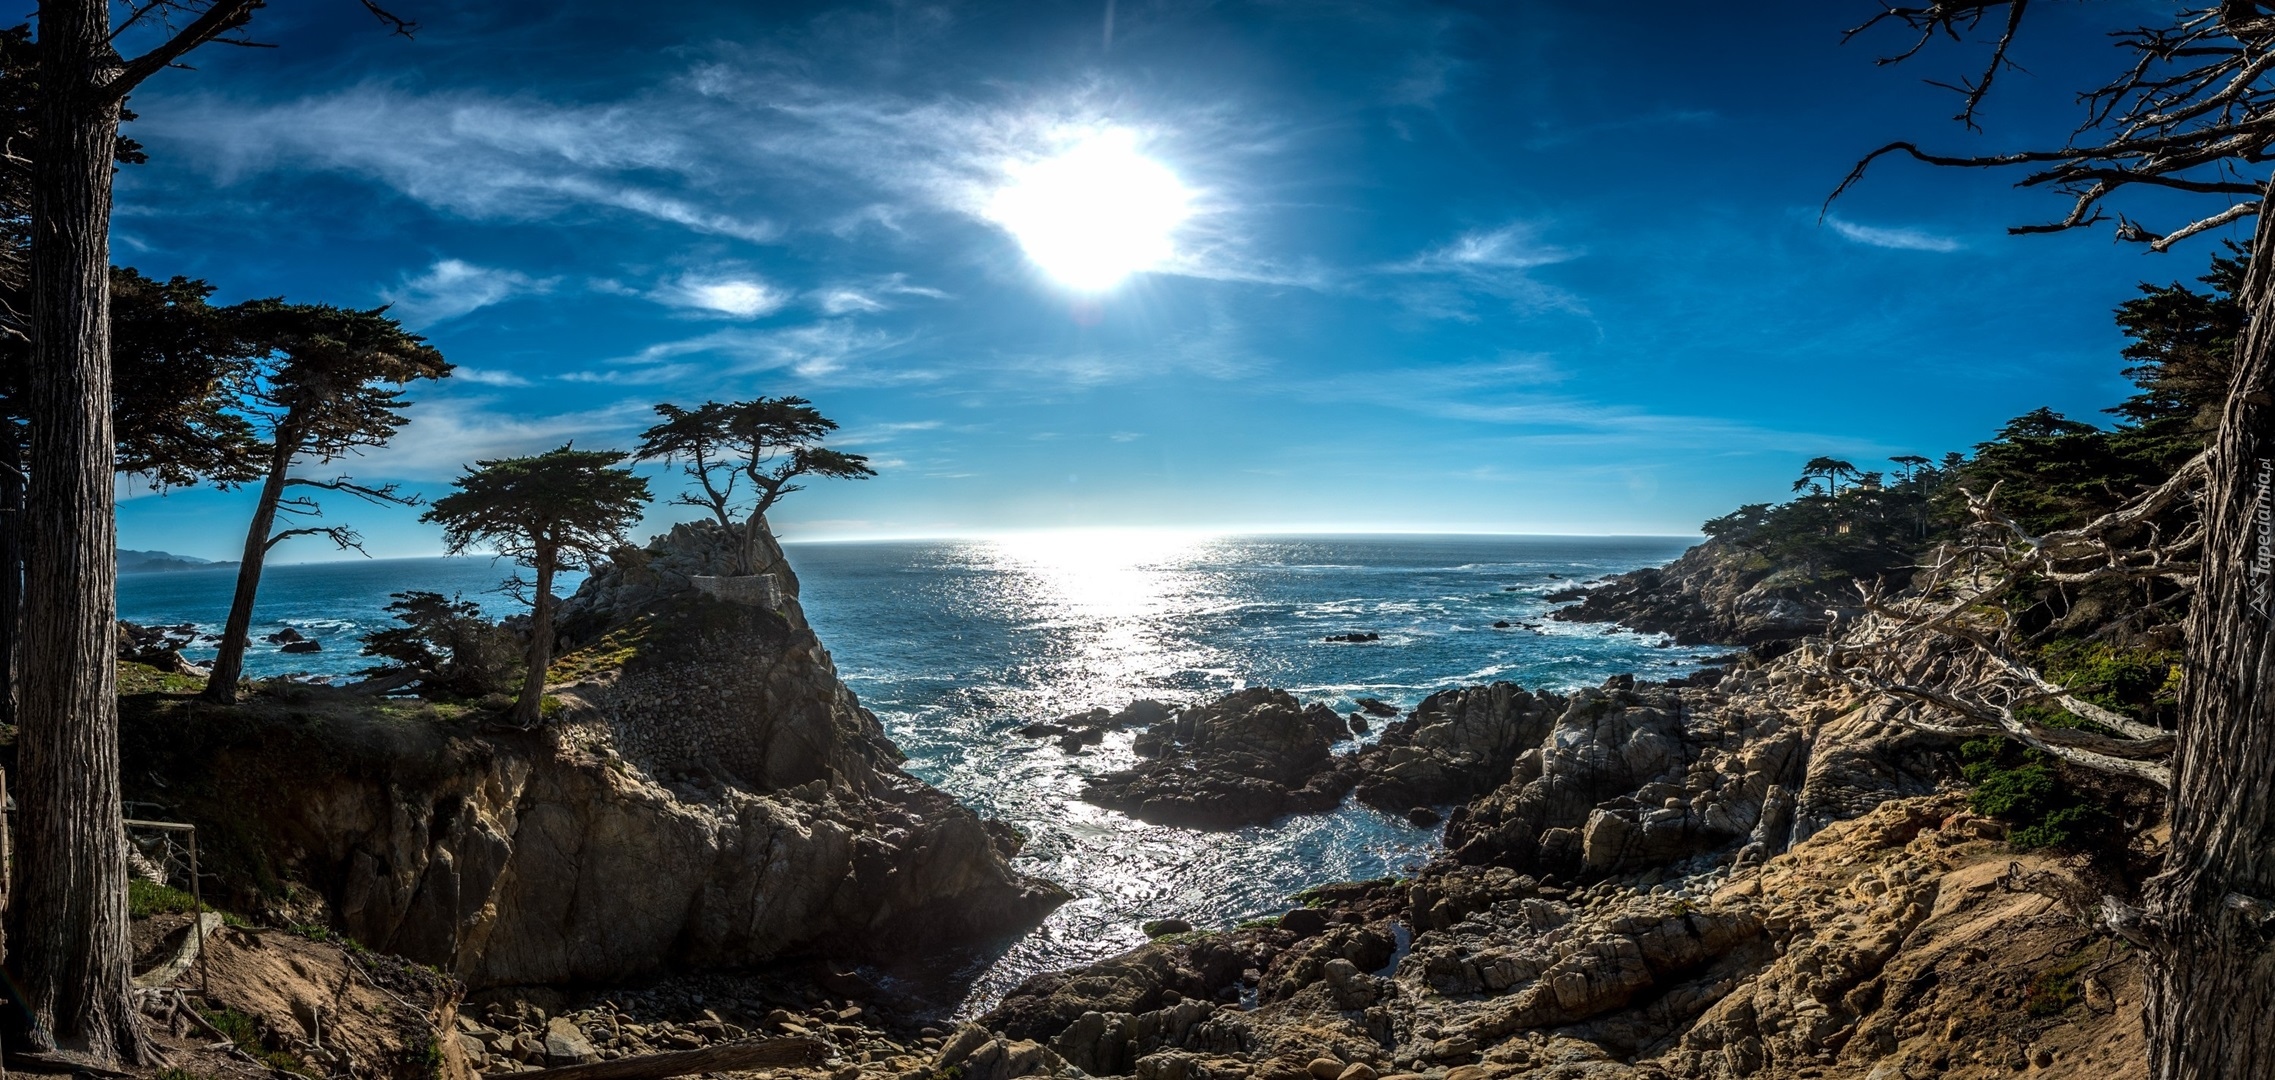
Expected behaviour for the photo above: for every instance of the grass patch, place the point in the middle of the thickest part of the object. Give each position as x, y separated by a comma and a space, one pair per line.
136, 678
614, 650
245, 1032
1268, 922
2060, 986
147, 898
325, 935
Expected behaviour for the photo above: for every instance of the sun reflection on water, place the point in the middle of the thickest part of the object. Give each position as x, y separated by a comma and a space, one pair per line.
957, 644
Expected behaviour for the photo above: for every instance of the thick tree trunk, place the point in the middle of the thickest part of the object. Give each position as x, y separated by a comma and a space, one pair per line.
529, 709
236, 633
11, 570
67, 923
2210, 919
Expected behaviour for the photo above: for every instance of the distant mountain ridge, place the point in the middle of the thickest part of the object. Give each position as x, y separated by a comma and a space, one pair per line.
146, 562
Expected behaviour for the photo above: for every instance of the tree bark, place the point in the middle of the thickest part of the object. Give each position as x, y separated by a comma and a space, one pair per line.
11, 570
529, 709
2210, 1004
229, 659
67, 922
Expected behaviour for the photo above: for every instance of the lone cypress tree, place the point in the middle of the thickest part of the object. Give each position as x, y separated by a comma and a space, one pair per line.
332, 384
744, 456
555, 511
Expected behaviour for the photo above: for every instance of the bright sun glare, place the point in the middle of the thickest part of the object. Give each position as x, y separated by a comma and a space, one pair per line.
1096, 213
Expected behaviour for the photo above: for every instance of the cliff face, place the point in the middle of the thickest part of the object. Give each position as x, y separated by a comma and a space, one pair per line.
1715, 595
705, 793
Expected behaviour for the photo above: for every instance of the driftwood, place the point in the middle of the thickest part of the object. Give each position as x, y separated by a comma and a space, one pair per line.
744, 1055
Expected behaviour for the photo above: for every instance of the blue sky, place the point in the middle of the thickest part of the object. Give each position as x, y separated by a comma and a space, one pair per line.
1495, 267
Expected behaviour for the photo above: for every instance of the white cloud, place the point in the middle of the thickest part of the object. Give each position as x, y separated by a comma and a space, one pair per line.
453, 287
1443, 281
1515, 246
734, 297
870, 296
486, 377
1898, 238
447, 434
835, 351
468, 154
842, 301
722, 151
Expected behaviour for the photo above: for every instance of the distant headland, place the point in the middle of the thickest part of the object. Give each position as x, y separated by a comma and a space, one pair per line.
153, 562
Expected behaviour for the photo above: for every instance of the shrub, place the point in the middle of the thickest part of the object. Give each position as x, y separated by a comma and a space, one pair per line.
2021, 787
448, 645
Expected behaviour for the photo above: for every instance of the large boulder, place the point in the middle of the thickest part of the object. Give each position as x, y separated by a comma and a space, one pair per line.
1249, 757
1457, 745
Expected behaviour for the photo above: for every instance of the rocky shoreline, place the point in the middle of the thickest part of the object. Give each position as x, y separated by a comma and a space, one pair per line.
1753, 876
1741, 872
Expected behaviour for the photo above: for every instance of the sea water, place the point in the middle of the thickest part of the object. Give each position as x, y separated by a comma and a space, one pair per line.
956, 643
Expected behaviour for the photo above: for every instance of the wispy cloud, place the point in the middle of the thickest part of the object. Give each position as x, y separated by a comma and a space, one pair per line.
733, 297
486, 377
1441, 282
836, 351
718, 149
468, 153
447, 434
866, 297
453, 287
1897, 238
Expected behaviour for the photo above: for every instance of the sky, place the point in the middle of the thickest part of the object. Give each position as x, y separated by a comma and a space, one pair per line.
1254, 266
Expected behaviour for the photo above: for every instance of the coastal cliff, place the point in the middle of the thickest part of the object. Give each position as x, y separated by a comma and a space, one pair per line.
1716, 594
705, 793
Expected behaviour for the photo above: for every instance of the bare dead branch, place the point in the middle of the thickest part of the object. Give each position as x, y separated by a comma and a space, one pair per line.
220, 18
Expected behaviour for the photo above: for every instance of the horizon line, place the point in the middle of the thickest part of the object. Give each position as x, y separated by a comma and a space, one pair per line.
1000, 534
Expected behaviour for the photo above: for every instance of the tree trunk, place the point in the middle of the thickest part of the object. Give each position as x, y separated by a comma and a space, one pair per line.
236, 633
2210, 1005
529, 709
11, 570
67, 922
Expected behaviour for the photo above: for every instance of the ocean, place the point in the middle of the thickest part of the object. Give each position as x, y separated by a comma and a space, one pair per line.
955, 643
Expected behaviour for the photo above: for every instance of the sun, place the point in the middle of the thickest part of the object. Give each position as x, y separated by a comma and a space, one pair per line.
1095, 213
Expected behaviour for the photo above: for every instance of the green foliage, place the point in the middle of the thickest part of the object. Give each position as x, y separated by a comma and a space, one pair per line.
147, 898
2142, 682
448, 644
245, 1033
1268, 922
2059, 986
555, 510
2021, 787
743, 455
136, 678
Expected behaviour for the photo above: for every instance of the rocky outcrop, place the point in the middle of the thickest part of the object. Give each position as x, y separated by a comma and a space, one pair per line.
1752, 874
672, 565
1457, 745
706, 793
1895, 944
1250, 757
1716, 595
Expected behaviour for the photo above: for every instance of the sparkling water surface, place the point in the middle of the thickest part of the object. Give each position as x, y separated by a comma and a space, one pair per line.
955, 643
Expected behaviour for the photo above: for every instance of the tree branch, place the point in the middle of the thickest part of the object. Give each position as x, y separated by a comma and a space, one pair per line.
222, 17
